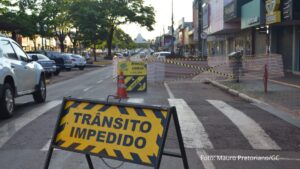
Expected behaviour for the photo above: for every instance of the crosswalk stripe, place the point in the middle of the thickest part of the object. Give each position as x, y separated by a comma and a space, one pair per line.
23, 120
46, 146
252, 131
194, 134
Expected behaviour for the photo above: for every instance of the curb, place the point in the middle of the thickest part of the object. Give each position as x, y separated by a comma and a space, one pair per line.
234, 92
264, 106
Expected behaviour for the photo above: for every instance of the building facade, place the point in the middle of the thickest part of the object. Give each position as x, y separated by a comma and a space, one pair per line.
256, 27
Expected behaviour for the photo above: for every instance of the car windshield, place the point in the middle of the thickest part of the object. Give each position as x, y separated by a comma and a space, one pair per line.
53, 54
77, 56
40, 57
67, 56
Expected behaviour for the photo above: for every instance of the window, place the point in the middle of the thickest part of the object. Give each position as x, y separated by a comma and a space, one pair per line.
7, 50
42, 57
20, 52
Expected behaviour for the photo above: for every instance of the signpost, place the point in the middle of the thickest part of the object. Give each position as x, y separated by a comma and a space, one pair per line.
135, 75
124, 132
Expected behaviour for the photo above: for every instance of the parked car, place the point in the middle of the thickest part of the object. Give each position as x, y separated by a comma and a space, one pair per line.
163, 55
48, 65
69, 61
79, 62
57, 57
19, 75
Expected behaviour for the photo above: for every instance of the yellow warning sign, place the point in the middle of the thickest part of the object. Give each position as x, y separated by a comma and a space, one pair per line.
136, 83
117, 131
130, 68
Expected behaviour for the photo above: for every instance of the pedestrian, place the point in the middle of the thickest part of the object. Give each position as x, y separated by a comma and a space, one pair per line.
237, 66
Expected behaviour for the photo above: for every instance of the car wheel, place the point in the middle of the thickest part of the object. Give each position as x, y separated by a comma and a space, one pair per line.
81, 68
7, 102
40, 94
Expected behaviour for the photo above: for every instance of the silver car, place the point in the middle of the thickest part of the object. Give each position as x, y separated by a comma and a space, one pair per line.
79, 61
19, 76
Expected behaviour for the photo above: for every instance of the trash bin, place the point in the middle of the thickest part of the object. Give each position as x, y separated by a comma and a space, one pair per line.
236, 64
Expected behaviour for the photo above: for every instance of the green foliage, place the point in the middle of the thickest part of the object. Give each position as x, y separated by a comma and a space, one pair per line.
4, 4
96, 21
122, 40
118, 12
89, 21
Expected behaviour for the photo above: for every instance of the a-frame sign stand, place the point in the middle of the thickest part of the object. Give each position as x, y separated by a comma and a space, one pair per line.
182, 154
172, 113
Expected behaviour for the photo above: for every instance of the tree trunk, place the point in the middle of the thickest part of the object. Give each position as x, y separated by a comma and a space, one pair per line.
14, 35
109, 41
62, 45
94, 52
75, 47
34, 44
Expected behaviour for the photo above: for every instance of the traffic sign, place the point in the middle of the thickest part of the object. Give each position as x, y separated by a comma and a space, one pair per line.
125, 132
136, 83
130, 68
204, 35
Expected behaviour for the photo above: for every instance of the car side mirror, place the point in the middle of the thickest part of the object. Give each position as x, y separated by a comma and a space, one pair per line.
34, 58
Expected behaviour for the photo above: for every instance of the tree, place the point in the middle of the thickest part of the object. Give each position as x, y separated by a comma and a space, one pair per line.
15, 17
118, 12
4, 4
90, 22
122, 40
55, 15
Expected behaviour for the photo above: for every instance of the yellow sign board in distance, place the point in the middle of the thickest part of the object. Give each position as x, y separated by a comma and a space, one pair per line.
273, 11
130, 68
122, 132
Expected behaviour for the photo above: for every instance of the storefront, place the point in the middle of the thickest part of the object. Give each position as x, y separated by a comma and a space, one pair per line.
284, 25
254, 41
237, 39
215, 27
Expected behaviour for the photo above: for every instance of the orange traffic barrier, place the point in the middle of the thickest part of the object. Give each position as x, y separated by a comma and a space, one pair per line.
121, 92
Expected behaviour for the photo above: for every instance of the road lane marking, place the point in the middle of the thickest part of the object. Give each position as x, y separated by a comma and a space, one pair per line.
87, 89
100, 81
252, 131
136, 100
46, 146
12, 127
193, 131
189, 123
171, 95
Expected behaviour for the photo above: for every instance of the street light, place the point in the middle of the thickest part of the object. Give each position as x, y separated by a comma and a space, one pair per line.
172, 20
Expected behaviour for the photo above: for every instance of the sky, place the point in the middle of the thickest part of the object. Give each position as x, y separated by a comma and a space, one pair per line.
163, 11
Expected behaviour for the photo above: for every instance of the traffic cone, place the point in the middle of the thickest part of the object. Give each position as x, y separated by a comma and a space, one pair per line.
121, 92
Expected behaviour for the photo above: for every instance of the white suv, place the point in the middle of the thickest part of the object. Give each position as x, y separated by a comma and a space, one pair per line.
19, 75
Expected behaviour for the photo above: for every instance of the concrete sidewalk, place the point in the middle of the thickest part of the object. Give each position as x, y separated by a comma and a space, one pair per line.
283, 93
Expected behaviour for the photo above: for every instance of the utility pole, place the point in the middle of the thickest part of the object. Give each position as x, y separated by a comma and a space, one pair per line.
200, 30
172, 19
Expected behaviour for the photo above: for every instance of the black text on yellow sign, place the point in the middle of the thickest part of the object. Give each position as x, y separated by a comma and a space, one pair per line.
130, 68
123, 132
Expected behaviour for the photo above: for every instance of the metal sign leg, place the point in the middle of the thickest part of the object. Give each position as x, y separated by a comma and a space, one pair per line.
49, 155
89, 160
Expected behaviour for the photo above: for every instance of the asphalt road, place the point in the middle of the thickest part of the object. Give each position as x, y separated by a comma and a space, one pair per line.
220, 131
